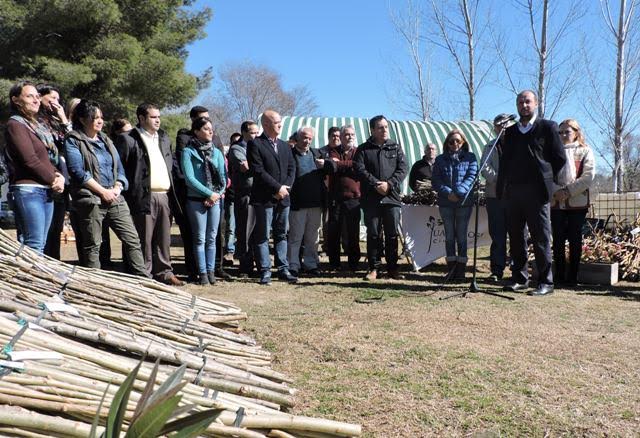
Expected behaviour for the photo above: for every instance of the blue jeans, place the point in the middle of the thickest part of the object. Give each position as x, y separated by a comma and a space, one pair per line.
278, 219
204, 225
230, 227
497, 216
455, 221
33, 207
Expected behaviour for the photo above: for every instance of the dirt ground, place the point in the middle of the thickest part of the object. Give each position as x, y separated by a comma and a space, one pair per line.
392, 356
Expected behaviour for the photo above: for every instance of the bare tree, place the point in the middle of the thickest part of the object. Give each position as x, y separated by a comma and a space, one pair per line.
552, 71
414, 92
242, 91
621, 121
632, 163
545, 42
459, 33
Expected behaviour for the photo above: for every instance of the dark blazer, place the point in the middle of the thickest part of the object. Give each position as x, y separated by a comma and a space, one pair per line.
544, 147
135, 162
270, 170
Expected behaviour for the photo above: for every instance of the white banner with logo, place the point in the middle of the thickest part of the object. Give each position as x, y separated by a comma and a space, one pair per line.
423, 232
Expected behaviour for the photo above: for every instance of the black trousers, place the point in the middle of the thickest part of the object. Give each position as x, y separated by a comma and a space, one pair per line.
387, 218
567, 226
244, 248
525, 209
343, 226
191, 267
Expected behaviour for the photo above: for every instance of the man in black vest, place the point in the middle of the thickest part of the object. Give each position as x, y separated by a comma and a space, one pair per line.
531, 158
271, 161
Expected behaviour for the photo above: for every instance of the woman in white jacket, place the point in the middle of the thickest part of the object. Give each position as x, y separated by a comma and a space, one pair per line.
571, 202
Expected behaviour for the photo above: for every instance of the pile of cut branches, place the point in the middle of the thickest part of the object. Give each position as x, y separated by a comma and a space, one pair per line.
619, 244
89, 329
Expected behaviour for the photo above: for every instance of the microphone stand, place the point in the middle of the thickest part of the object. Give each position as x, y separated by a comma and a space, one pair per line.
473, 287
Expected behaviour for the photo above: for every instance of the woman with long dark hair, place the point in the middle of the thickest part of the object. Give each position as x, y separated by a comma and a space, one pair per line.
204, 173
571, 201
453, 174
96, 186
52, 115
32, 157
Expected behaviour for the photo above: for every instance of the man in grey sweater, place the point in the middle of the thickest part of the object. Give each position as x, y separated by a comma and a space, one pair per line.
242, 181
496, 207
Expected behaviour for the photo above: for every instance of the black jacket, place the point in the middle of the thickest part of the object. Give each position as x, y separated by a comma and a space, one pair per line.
373, 163
135, 161
309, 190
545, 154
270, 170
420, 171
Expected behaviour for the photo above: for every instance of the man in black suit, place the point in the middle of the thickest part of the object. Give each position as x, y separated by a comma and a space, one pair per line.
271, 162
146, 156
532, 156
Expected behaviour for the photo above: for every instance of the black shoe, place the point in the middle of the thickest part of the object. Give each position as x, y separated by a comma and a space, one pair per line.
203, 280
212, 277
516, 287
286, 276
221, 274
310, 273
265, 278
543, 289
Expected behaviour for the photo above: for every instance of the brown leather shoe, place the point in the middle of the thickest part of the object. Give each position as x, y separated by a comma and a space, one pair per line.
173, 281
371, 275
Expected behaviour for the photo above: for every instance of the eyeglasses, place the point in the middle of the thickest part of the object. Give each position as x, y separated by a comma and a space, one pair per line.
455, 141
566, 132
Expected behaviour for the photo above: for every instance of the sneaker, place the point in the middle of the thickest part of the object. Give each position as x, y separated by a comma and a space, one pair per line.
371, 275
227, 260
265, 278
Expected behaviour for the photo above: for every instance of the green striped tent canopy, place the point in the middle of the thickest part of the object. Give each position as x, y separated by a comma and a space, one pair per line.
411, 136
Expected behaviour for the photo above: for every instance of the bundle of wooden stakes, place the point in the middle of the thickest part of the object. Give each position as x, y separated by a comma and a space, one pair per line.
73, 334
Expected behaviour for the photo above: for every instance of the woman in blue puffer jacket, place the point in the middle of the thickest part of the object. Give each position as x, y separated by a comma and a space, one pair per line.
453, 174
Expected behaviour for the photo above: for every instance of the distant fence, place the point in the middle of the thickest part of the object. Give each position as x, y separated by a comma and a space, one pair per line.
624, 206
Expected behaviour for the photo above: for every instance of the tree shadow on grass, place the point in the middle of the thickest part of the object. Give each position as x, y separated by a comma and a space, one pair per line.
395, 286
624, 292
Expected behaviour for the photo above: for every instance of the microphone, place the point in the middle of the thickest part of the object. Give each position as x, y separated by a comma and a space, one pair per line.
504, 119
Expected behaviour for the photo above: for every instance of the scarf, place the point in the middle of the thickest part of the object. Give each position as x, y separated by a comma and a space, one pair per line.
205, 150
43, 132
567, 174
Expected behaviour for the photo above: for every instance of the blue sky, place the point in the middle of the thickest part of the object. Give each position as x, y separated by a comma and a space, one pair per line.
343, 51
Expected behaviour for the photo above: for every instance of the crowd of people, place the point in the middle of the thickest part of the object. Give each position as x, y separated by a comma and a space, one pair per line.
130, 181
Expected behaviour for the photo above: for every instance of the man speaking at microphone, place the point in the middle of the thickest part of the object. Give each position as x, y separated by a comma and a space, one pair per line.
271, 161
532, 156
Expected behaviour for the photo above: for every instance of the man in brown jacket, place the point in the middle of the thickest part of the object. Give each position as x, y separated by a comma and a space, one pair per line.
344, 203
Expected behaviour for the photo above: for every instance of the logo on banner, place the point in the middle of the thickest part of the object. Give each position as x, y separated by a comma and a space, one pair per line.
432, 223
